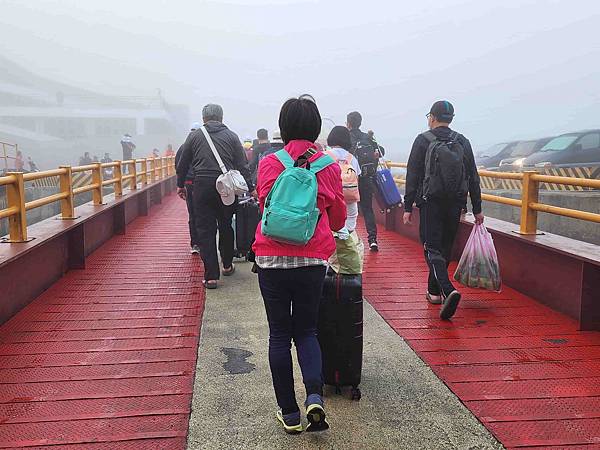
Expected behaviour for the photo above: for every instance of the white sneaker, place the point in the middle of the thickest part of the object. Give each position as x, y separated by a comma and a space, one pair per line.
433, 299
195, 250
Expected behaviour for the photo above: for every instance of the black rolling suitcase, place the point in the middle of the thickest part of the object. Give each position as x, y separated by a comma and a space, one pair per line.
247, 218
341, 331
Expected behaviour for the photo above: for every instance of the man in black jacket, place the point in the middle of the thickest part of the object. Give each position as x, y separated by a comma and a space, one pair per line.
368, 152
258, 149
440, 213
189, 198
210, 213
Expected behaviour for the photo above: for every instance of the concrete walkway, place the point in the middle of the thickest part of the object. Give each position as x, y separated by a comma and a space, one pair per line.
404, 405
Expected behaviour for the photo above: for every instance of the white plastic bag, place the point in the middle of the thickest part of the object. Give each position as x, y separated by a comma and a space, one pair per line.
478, 266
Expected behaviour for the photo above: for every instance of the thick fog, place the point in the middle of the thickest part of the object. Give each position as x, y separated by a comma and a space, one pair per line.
512, 68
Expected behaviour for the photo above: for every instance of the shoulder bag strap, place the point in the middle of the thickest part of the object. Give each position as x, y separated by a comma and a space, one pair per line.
211, 144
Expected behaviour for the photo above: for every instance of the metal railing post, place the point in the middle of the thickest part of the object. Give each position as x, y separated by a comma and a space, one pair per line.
144, 171
67, 206
15, 196
133, 183
118, 186
97, 180
529, 194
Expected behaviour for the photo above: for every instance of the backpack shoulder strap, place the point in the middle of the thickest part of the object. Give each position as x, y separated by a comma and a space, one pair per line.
284, 158
321, 163
429, 136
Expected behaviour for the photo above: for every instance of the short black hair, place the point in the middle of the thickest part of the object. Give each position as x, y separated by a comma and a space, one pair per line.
300, 119
354, 119
339, 137
262, 134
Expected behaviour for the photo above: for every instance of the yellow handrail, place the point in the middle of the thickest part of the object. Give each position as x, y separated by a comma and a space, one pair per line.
529, 201
15, 212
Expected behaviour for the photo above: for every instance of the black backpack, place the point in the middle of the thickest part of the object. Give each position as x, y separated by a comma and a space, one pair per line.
364, 150
445, 174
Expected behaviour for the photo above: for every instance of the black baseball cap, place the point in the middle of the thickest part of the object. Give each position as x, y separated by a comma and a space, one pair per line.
443, 111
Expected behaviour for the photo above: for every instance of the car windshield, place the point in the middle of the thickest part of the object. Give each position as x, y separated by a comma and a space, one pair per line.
524, 148
492, 151
559, 144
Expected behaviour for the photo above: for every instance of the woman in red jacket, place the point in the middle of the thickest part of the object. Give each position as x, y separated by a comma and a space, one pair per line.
291, 276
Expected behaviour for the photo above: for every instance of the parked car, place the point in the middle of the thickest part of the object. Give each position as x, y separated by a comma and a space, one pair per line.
582, 147
521, 151
491, 157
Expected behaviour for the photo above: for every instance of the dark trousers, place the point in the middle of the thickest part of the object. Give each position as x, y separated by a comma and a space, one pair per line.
209, 215
292, 298
189, 200
438, 225
126, 157
366, 187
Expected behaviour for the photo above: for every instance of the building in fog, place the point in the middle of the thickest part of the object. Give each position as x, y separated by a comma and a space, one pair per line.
55, 123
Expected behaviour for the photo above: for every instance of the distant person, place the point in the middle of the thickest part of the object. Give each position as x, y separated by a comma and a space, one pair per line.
189, 197
275, 145
107, 172
128, 147
260, 146
32, 166
155, 153
339, 143
248, 149
368, 153
85, 160
211, 211
19, 163
291, 276
169, 151
95, 159
440, 191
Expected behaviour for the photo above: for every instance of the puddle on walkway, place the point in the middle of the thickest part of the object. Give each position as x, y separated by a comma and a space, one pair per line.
236, 361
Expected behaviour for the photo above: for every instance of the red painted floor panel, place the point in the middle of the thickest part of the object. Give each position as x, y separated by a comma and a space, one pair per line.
523, 369
105, 358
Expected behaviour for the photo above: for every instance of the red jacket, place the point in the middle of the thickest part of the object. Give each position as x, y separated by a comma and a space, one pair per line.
330, 200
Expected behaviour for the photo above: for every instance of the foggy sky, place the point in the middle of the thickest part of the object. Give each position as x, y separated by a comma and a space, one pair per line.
513, 69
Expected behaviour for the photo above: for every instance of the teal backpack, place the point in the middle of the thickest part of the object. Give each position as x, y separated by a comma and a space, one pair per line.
291, 214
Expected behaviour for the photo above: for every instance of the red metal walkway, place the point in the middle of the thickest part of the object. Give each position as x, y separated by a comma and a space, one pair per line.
523, 369
105, 358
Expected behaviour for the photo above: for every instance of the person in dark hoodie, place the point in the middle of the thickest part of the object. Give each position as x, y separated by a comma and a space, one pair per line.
189, 197
441, 199
368, 152
260, 146
210, 213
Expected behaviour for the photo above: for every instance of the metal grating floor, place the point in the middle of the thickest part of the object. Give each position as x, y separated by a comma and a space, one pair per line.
105, 358
523, 369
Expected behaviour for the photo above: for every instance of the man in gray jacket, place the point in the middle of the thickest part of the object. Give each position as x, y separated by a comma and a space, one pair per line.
210, 213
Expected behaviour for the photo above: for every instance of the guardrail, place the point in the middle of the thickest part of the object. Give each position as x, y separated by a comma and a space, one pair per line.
151, 170
5, 148
529, 202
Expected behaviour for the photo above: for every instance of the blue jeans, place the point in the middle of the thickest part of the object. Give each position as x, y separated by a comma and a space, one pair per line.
292, 298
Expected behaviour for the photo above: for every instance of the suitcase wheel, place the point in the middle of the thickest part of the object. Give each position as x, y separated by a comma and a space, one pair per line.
356, 394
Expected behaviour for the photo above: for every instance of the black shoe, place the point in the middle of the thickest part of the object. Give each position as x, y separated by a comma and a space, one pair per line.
373, 246
449, 306
315, 414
